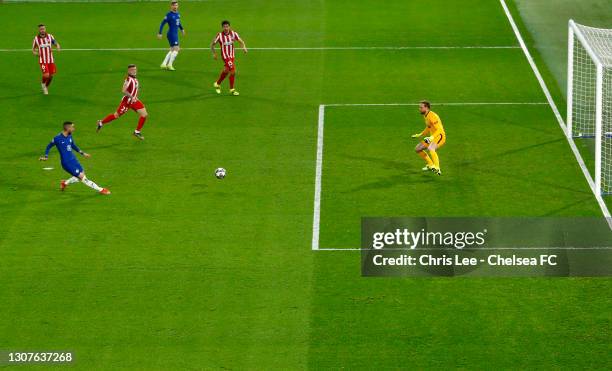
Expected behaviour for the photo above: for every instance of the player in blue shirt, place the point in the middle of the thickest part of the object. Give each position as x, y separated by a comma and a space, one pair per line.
173, 18
66, 147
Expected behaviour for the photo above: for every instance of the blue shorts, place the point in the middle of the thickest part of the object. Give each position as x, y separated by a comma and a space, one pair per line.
73, 168
173, 39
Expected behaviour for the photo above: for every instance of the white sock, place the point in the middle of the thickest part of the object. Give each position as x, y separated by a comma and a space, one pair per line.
71, 180
91, 184
173, 57
167, 59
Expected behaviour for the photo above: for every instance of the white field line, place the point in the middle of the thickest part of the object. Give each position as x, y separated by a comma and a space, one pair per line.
316, 219
98, 1
438, 104
8, 50
472, 248
317, 195
553, 106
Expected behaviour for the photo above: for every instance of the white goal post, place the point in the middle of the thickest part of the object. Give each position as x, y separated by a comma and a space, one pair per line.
589, 95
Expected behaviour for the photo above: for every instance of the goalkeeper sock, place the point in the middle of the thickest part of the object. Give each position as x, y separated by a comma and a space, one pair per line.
426, 158
436, 160
71, 180
91, 184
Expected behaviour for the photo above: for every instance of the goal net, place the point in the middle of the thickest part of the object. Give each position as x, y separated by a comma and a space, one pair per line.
589, 95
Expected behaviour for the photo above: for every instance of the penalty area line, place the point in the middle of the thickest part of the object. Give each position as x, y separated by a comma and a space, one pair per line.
438, 104
316, 218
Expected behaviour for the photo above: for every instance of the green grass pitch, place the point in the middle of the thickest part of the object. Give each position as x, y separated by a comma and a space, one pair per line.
178, 270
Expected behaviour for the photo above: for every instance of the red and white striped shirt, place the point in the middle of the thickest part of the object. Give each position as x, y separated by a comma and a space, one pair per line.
44, 44
131, 86
226, 41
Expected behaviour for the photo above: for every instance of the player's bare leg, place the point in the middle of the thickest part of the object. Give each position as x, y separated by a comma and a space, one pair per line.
232, 79
420, 150
141, 121
106, 120
93, 185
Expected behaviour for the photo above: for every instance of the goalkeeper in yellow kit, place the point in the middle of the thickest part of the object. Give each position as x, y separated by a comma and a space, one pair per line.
435, 138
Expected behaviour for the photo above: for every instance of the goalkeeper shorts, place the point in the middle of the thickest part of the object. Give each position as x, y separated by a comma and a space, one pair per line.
439, 139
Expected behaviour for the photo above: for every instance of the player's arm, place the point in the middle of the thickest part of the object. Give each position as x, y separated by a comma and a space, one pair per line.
57, 45
424, 132
46, 155
161, 27
181, 27
212, 47
76, 148
244, 48
34, 48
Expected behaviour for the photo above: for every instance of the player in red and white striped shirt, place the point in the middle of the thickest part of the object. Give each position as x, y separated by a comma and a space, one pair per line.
226, 39
41, 46
130, 101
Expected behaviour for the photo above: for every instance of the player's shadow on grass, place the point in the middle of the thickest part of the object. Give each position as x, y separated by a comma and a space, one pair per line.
381, 162
557, 211
509, 152
405, 175
56, 195
491, 170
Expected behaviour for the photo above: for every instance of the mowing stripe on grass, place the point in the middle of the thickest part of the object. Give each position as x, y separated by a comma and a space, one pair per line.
555, 110
8, 50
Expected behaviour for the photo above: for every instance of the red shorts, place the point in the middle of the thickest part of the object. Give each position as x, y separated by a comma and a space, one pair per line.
48, 68
125, 105
229, 64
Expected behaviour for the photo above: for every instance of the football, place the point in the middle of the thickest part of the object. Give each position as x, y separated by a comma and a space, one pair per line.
220, 173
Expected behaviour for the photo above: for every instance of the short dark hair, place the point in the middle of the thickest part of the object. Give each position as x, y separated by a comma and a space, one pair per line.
226, 22
425, 103
131, 65
67, 123
173, 2
41, 25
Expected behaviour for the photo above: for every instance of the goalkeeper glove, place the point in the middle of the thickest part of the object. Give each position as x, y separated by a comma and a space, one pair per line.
416, 135
428, 140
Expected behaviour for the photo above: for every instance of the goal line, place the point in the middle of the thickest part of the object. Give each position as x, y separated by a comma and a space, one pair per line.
553, 107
